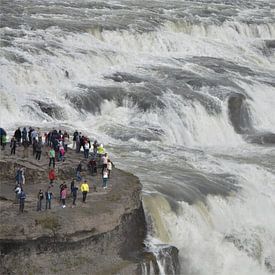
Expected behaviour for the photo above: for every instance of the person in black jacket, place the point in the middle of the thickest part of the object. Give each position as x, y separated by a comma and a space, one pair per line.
13, 146
38, 149
17, 135
74, 193
40, 197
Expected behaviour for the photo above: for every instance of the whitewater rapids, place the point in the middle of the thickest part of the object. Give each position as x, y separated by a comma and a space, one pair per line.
182, 93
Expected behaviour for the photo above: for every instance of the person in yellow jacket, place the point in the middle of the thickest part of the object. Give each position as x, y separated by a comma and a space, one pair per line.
84, 189
100, 150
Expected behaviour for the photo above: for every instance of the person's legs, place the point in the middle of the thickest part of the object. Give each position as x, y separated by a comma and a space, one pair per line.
84, 196
39, 205
74, 199
78, 176
104, 183
21, 208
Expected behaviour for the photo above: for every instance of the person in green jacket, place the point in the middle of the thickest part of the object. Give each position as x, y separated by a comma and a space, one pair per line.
52, 157
3, 141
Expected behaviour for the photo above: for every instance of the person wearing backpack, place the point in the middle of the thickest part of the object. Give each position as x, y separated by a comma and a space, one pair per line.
38, 149
40, 197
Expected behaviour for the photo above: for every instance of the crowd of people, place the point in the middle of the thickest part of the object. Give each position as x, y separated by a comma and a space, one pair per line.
56, 144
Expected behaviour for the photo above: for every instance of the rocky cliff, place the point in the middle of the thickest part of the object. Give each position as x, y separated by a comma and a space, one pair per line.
103, 236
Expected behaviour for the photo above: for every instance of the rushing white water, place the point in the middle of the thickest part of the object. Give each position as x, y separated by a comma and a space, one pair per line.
177, 90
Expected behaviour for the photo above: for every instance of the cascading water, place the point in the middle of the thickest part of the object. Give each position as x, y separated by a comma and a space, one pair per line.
182, 92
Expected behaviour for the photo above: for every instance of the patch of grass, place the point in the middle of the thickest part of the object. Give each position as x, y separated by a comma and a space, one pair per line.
55, 270
51, 223
113, 197
75, 261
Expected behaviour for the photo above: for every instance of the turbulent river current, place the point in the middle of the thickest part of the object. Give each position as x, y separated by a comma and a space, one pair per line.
182, 93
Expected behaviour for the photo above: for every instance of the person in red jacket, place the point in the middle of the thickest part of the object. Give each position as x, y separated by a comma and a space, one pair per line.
52, 176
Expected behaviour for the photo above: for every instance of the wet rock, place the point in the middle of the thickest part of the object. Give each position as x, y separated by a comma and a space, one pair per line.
165, 258
239, 113
250, 244
261, 138
270, 265
51, 109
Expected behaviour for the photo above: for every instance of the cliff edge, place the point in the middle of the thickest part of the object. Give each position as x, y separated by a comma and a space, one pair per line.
103, 236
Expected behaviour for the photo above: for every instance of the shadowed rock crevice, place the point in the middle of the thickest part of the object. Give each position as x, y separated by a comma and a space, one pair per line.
240, 118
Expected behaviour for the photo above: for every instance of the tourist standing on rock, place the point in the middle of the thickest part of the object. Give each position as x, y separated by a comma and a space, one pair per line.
3, 138
78, 171
25, 145
34, 144
72, 185
30, 134
22, 198
92, 166
61, 153
38, 149
20, 177
84, 189
34, 135
100, 150
109, 167
104, 161
66, 139
49, 196
40, 197
17, 135
74, 193
86, 149
17, 191
4, 142
61, 187
24, 134
75, 134
52, 176
77, 143
63, 196
52, 157
95, 145
105, 178
13, 146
